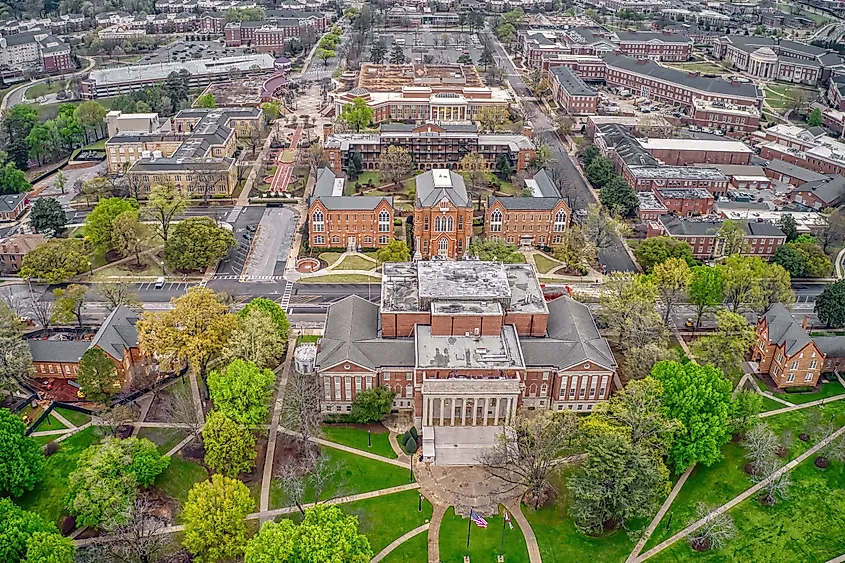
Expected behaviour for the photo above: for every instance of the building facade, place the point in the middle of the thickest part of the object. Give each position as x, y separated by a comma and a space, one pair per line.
571, 92
442, 215
785, 351
15, 247
761, 238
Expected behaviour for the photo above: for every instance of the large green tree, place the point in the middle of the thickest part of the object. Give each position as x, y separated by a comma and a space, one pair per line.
803, 260
70, 301
372, 405
242, 392
726, 347
21, 460
672, 279
256, 340
229, 446
395, 251
280, 319
494, 249
830, 305
55, 261
215, 519
49, 547
196, 243
656, 250
98, 378
107, 477
26, 538
706, 290
600, 171
357, 115
326, 535
99, 223
618, 196
700, 398
47, 216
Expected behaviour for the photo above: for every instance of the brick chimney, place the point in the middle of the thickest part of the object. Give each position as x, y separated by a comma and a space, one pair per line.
805, 322
328, 129
734, 82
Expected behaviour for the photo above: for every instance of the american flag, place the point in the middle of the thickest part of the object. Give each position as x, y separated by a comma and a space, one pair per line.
508, 520
476, 517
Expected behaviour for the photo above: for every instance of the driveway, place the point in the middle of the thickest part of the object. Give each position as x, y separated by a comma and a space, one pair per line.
272, 244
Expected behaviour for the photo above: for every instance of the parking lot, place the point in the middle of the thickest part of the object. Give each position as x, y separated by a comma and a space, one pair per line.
444, 46
182, 51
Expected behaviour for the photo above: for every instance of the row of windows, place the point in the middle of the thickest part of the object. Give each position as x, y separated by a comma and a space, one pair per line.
320, 239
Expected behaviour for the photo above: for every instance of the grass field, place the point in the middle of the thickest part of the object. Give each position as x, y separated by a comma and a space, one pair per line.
164, 438
330, 257
43, 88
151, 268
414, 550
357, 438
307, 338
545, 264
341, 278
483, 542
179, 477
48, 497
356, 263
76, 418
829, 389
383, 519
50, 423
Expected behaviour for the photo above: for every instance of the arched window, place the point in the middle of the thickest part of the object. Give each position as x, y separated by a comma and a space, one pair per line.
317, 219
437, 224
560, 221
383, 221
443, 247
496, 221
450, 225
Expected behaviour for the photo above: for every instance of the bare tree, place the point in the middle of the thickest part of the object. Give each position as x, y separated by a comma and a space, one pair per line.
311, 471
118, 293
292, 473
776, 484
137, 539
301, 412
42, 311
117, 416
183, 410
526, 453
760, 443
12, 300
717, 529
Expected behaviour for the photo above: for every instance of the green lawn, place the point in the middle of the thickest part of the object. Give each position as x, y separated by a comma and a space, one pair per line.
384, 519
42, 440
151, 268
179, 477
43, 88
770, 405
545, 264
50, 423
363, 179
307, 338
355, 475
357, 438
561, 542
415, 550
47, 499
829, 389
484, 542
76, 418
164, 438
341, 278
804, 527
329, 257
356, 263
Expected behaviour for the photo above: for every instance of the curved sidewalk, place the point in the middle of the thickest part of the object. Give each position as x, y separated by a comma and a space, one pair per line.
399, 541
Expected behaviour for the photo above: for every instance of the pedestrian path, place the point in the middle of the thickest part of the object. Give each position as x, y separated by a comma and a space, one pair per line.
434, 533
62, 419
799, 407
530, 539
347, 449
270, 456
399, 541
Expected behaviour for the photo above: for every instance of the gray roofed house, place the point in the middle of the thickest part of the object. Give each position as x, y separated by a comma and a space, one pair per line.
10, 202
794, 171
524, 203
830, 189
571, 82
573, 338
329, 188
58, 351
435, 185
831, 346
646, 36
680, 226
785, 330
118, 333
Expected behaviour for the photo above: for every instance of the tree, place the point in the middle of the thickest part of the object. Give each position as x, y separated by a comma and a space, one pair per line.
492, 118
196, 329
760, 443
574, 250
496, 250
21, 460
706, 290
196, 243
789, 227
47, 216
18, 122
21, 529
740, 279
803, 259
137, 539
672, 279
256, 340
725, 349
48, 547
242, 392
525, 454
207, 101
815, 118
55, 261
105, 483
776, 482
69, 303
464, 59
504, 169
372, 405
618, 196
640, 360
656, 250
378, 52
15, 354
95, 189
324, 55
732, 236
164, 204
542, 156
128, 235
700, 397
617, 482
98, 378
717, 528
830, 304
395, 251
325, 534
91, 115
280, 319
100, 222
215, 519
272, 110
474, 165
355, 165
12, 180
774, 286
117, 294
600, 171
229, 446
833, 232
745, 407
357, 114
302, 405
601, 228
395, 164
627, 306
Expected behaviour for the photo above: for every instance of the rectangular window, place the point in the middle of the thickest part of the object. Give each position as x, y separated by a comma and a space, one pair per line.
790, 378
809, 376
794, 365
337, 388
347, 384
357, 383
327, 388
387, 376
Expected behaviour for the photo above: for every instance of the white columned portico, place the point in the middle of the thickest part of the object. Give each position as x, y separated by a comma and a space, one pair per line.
496, 411
484, 412
442, 409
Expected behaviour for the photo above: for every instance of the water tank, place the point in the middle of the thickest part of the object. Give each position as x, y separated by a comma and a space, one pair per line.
305, 356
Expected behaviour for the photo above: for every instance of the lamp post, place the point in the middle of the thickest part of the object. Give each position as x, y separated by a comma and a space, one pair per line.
419, 506
90, 269
369, 439
162, 267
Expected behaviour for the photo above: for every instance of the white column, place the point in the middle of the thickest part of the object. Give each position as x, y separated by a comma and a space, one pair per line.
496, 411
508, 413
513, 408
464, 411
452, 415
474, 410
425, 411
484, 412
442, 408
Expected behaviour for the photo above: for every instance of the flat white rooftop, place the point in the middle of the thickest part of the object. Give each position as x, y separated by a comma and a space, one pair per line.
695, 144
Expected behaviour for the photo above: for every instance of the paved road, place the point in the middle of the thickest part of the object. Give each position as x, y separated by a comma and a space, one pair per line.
218, 213
15, 97
242, 220
614, 258
273, 242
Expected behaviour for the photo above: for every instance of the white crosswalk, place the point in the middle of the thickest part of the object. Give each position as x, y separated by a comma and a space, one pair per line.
247, 278
285, 303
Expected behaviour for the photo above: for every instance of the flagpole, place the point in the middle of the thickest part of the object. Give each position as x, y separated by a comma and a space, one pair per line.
469, 529
502, 543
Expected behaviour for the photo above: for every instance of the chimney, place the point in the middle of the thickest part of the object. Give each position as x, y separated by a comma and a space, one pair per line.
734, 82
805, 322
328, 129
693, 74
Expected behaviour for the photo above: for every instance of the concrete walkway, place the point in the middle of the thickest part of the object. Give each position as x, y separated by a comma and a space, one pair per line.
147, 402
267, 476
738, 499
530, 539
399, 541
799, 407
659, 516
62, 419
362, 453
397, 449
195, 393
434, 533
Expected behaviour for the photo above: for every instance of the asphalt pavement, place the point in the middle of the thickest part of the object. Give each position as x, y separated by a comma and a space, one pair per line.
244, 221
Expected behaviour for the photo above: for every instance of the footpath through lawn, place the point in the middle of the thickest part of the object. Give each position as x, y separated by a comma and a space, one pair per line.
415, 550
386, 518
484, 542
357, 438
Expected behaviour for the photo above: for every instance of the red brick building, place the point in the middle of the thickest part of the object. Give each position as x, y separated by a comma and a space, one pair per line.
686, 202
683, 152
784, 350
14, 248
733, 120
571, 93
761, 238
648, 178
442, 215
819, 194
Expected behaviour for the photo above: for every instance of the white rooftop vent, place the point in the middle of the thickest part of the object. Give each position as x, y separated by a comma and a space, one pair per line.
442, 178
337, 188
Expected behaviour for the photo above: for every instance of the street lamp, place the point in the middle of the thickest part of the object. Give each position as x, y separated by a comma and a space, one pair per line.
369, 439
90, 269
162, 267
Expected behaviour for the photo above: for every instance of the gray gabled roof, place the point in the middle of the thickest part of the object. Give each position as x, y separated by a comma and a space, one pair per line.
69, 351
434, 185
9, 202
830, 189
352, 203
525, 203
547, 187
785, 330
573, 338
324, 186
352, 336
831, 346
118, 333
793, 170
